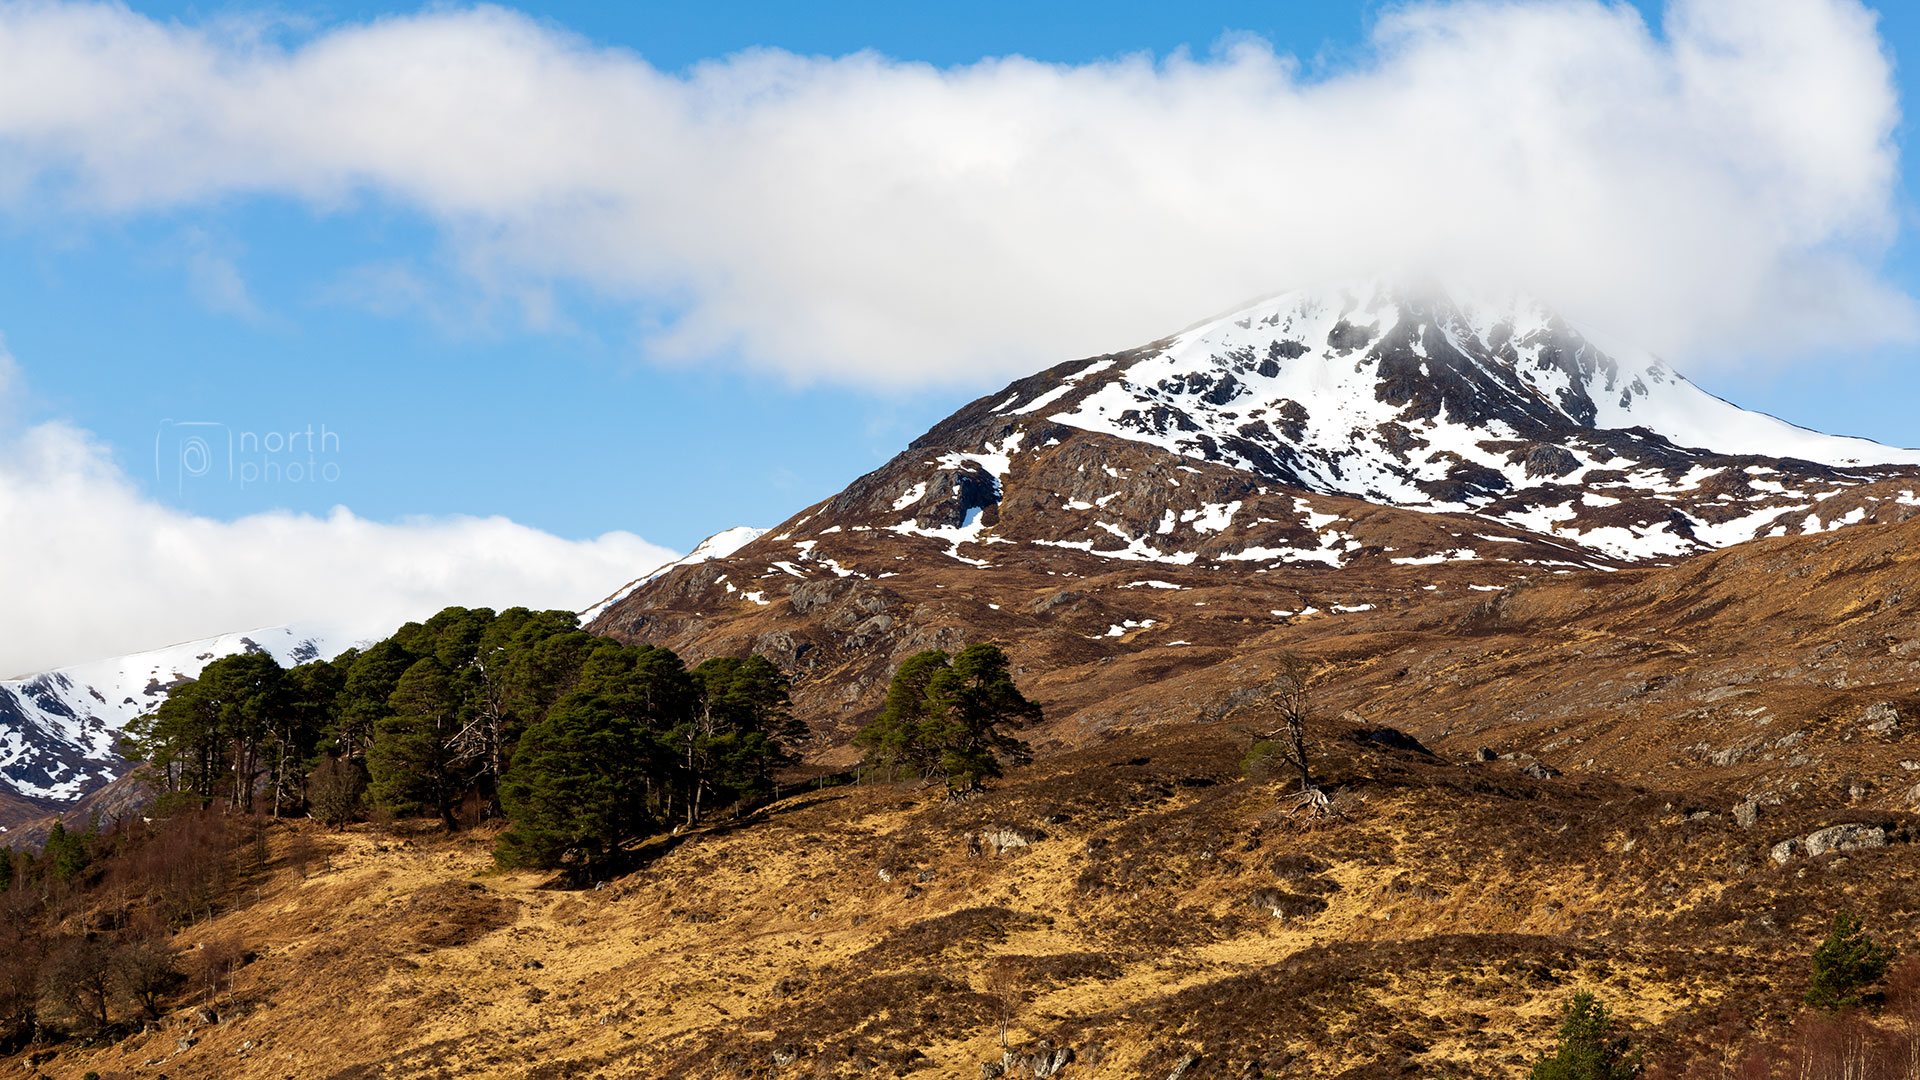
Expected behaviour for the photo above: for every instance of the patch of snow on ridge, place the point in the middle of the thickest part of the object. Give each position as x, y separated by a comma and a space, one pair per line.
1456, 555
967, 532
1045, 399
996, 459
917, 493
718, 546
1048, 397
1211, 518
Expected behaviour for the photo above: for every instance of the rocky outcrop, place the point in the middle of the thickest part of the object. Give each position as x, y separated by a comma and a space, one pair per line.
1850, 837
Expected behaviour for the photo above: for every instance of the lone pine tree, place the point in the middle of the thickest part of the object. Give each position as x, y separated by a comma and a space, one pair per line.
1588, 1049
1845, 964
943, 718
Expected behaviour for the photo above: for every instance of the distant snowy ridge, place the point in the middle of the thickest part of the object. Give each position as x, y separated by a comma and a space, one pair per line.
718, 546
59, 730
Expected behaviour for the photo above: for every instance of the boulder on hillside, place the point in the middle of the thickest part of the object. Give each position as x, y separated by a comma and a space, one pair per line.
1549, 460
1881, 718
1850, 837
1846, 838
1004, 838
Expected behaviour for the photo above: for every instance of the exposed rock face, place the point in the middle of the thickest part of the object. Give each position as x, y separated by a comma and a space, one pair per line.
1845, 838
1880, 718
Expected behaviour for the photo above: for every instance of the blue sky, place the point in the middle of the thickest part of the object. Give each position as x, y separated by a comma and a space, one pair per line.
574, 430
473, 350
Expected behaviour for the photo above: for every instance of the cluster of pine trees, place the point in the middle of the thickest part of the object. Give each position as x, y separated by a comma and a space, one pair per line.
943, 716
581, 742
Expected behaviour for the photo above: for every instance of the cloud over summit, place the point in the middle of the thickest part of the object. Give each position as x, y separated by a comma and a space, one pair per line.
1724, 184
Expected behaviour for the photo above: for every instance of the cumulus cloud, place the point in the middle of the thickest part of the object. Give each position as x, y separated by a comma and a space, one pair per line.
1725, 184
97, 568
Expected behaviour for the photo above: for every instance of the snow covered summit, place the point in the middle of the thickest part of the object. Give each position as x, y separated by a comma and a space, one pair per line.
1408, 397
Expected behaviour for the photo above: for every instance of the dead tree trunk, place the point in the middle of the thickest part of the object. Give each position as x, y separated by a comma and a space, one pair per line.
1289, 697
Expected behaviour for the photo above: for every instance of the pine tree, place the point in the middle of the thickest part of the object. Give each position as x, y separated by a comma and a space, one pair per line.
577, 787
943, 718
898, 741
213, 737
1845, 964
651, 689
502, 708
739, 734
974, 697
410, 764
1588, 1048
372, 677
250, 690
65, 855
300, 725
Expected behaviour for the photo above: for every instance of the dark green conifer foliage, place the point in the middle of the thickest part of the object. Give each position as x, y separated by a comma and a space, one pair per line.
898, 741
595, 771
736, 740
211, 737
65, 855
410, 764
1845, 965
577, 789
943, 718
300, 727
1588, 1050
372, 677
504, 702
434, 716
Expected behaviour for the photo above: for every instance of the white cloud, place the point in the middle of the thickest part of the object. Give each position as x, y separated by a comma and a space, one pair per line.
97, 568
1725, 185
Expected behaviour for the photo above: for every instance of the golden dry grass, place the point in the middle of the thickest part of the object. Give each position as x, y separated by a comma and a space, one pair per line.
1464, 904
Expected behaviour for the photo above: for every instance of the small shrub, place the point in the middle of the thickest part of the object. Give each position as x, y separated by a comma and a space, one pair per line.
1588, 1048
1845, 964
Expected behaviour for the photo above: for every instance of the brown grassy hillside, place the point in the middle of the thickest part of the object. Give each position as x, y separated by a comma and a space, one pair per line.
1157, 904
1434, 930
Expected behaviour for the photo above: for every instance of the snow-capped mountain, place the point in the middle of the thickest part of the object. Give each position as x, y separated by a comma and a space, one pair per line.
59, 730
1506, 411
1421, 441
1354, 454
